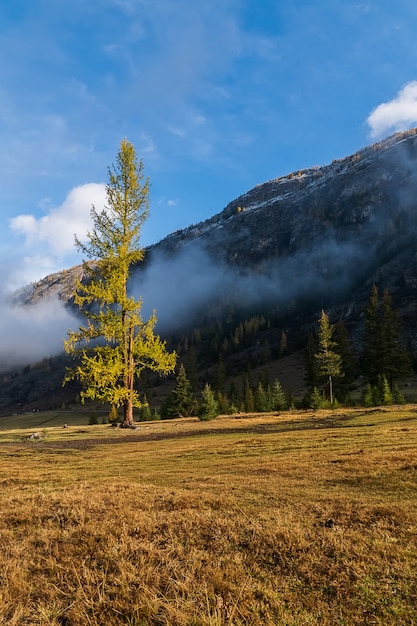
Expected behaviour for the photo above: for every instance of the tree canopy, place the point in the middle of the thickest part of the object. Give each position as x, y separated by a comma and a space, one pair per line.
115, 345
384, 351
329, 361
181, 402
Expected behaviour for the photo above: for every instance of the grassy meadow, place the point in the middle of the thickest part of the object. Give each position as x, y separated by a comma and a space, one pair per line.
294, 519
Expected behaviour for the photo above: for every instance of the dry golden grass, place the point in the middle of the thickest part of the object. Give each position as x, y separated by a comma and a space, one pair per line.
296, 519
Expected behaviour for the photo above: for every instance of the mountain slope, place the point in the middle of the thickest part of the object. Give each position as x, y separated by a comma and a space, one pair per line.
321, 235
324, 229
314, 239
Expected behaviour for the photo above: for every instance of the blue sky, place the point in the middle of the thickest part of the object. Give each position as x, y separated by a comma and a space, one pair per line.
216, 95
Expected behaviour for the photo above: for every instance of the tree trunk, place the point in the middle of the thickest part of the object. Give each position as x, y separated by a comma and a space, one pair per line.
127, 414
331, 389
129, 382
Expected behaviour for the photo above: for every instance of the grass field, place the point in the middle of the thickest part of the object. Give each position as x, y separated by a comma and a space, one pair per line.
293, 519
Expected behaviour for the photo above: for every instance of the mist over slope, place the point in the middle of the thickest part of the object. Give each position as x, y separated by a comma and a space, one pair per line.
317, 238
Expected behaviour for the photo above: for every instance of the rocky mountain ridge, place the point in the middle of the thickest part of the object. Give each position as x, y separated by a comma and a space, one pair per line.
321, 237
334, 200
317, 238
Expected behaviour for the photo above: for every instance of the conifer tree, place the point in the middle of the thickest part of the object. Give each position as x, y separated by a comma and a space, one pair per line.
368, 396
220, 375
182, 402
223, 402
329, 362
384, 354
279, 400
116, 345
315, 401
395, 359
233, 395
397, 396
145, 411
209, 408
262, 401
384, 389
249, 400
283, 344
381, 393
372, 336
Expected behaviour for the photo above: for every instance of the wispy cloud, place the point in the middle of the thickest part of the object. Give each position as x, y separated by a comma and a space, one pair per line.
397, 114
216, 96
28, 334
46, 243
56, 229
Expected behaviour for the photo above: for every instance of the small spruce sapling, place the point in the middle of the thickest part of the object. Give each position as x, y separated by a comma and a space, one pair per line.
209, 408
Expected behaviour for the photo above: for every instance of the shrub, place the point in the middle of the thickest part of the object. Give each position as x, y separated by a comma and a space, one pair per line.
113, 415
145, 413
93, 419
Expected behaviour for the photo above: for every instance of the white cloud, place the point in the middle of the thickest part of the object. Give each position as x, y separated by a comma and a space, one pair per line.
55, 231
397, 114
48, 241
169, 202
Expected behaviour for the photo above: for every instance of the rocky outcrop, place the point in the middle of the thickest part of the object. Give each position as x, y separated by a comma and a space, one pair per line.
55, 286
